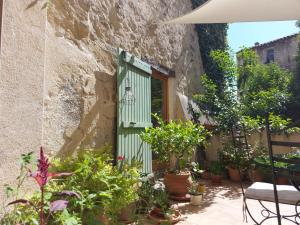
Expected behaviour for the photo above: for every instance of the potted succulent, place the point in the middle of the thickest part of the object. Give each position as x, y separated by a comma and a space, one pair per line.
196, 192
177, 139
217, 170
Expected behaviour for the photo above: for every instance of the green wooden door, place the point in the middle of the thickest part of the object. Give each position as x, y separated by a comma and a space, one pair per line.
134, 108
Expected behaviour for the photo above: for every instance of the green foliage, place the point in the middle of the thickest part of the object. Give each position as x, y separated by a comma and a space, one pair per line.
103, 187
211, 37
216, 168
247, 60
234, 157
294, 106
178, 138
25, 211
223, 108
153, 193
264, 88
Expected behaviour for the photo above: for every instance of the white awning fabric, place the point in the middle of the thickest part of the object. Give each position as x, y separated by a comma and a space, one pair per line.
231, 11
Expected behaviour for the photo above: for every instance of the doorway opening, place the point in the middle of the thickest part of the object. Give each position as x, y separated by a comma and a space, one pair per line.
159, 96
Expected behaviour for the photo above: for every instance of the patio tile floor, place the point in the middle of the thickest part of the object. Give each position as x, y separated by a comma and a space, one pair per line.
223, 205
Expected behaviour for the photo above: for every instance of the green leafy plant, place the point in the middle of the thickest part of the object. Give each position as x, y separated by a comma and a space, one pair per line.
234, 157
42, 177
175, 138
197, 188
216, 168
105, 188
38, 209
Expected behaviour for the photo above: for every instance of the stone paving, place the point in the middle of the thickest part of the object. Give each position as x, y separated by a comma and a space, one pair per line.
223, 205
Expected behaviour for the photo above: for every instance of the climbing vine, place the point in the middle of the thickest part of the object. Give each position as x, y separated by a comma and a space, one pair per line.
211, 37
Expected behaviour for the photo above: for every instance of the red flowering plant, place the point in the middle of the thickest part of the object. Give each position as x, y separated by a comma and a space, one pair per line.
42, 177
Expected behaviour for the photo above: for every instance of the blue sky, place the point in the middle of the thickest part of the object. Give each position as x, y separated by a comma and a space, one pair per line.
246, 34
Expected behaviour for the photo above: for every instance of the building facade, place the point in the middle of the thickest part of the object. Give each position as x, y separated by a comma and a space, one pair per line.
282, 51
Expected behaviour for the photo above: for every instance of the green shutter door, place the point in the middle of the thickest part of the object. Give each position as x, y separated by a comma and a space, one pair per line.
134, 108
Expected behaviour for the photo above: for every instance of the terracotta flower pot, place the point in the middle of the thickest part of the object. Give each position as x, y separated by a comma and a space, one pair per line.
216, 179
127, 215
234, 174
158, 217
255, 175
206, 175
178, 184
282, 181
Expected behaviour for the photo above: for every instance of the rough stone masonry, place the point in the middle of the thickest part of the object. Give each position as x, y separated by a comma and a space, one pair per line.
62, 56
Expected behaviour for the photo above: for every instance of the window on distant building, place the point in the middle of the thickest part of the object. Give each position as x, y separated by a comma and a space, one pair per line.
270, 56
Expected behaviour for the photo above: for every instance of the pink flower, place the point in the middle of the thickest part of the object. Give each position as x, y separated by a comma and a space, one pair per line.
42, 175
120, 158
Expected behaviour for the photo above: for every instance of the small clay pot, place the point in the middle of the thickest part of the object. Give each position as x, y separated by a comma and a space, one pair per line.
255, 175
127, 214
158, 217
234, 174
216, 179
206, 175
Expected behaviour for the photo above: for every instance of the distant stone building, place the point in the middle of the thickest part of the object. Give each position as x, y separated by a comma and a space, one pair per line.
282, 51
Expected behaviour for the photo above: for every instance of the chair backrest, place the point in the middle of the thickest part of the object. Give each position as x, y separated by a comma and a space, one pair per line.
282, 164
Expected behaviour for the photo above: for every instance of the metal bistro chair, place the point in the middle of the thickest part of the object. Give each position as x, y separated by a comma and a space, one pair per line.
279, 194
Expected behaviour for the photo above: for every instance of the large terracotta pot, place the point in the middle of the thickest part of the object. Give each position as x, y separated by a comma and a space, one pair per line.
178, 184
234, 174
216, 179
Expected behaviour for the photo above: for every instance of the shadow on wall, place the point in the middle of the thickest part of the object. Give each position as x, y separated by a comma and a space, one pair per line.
97, 125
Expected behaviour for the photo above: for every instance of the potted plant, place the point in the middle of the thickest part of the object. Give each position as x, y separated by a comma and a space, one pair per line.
255, 173
196, 192
162, 212
234, 159
217, 170
196, 170
264, 162
176, 139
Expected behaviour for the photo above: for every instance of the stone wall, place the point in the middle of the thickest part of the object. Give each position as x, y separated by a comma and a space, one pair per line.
21, 84
63, 57
257, 138
81, 63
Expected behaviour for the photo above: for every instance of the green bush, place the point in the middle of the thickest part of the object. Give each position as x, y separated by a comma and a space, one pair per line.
175, 138
104, 188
